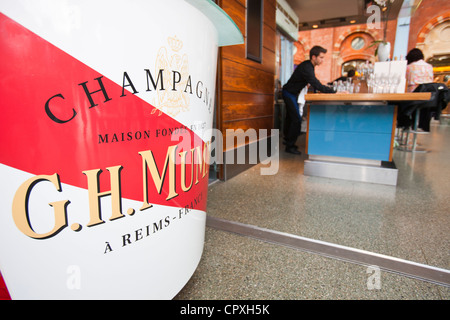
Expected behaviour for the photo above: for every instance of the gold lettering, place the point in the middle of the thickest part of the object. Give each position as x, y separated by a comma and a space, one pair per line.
203, 160
183, 170
95, 195
158, 179
199, 161
20, 208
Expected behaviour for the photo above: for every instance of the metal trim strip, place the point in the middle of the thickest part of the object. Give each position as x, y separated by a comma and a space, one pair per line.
394, 265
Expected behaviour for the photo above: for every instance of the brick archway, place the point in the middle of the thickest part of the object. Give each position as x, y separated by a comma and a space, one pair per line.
430, 25
302, 53
343, 52
425, 40
357, 29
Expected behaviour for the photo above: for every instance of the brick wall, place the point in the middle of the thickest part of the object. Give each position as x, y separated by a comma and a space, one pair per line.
428, 10
319, 37
338, 43
338, 40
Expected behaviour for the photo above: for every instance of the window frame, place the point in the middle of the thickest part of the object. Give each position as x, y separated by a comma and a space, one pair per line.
251, 54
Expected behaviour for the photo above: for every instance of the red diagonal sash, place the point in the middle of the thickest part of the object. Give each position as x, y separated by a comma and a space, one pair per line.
80, 136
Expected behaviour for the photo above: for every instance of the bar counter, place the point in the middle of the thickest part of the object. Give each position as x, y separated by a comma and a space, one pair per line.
354, 97
351, 136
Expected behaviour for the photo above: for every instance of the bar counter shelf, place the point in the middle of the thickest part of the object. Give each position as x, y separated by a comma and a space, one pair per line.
351, 136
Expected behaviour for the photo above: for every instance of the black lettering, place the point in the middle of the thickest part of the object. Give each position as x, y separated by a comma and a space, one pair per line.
167, 220
102, 139
199, 95
126, 239
157, 226
108, 248
130, 84
89, 94
188, 84
52, 116
160, 76
174, 80
138, 233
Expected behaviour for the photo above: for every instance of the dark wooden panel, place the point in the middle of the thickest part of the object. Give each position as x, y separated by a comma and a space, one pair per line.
247, 87
239, 106
242, 78
241, 2
269, 38
237, 54
272, 3
269, 14
236, 11
254, 123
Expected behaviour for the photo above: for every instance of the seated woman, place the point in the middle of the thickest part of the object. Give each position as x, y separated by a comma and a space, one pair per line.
417, 72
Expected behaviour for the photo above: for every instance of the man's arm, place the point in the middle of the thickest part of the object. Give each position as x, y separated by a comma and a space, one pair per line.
308, 74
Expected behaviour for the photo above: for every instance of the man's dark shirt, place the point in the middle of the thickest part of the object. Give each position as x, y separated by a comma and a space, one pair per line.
303, 75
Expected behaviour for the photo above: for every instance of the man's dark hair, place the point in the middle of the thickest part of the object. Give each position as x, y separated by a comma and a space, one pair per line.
351, 73
316, 50
414, 55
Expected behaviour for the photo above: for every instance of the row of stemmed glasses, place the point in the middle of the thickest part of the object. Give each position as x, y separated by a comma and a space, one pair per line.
394, 82
365, 69
383, 83
346, 86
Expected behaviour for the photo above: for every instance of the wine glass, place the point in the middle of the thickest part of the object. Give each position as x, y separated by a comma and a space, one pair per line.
395, 83
370, 81
384, 78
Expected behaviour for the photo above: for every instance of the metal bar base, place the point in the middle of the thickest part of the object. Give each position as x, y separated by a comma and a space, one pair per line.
405, 144
386, 173
410, 147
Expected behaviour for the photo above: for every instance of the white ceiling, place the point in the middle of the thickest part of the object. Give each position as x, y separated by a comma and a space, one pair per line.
313, 10
332, 13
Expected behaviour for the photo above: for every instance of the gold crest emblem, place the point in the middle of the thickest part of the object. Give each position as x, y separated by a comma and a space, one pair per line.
173, 99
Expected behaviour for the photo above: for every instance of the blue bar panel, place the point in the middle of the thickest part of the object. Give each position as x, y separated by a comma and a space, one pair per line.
351, 131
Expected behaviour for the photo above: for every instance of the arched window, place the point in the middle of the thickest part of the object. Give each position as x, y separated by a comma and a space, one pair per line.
349, 65
358, 43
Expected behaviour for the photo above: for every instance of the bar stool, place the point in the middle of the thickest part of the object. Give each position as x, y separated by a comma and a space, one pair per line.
439, 98
405, 133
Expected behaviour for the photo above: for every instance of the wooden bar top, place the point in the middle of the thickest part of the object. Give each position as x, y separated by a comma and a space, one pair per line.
350, 97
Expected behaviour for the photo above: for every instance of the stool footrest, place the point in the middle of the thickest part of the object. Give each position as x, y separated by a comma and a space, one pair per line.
412, 149
416, 132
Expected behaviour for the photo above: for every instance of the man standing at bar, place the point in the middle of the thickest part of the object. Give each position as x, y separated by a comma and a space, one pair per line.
303, 75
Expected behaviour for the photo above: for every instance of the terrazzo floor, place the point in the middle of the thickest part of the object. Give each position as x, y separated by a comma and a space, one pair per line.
409, 221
